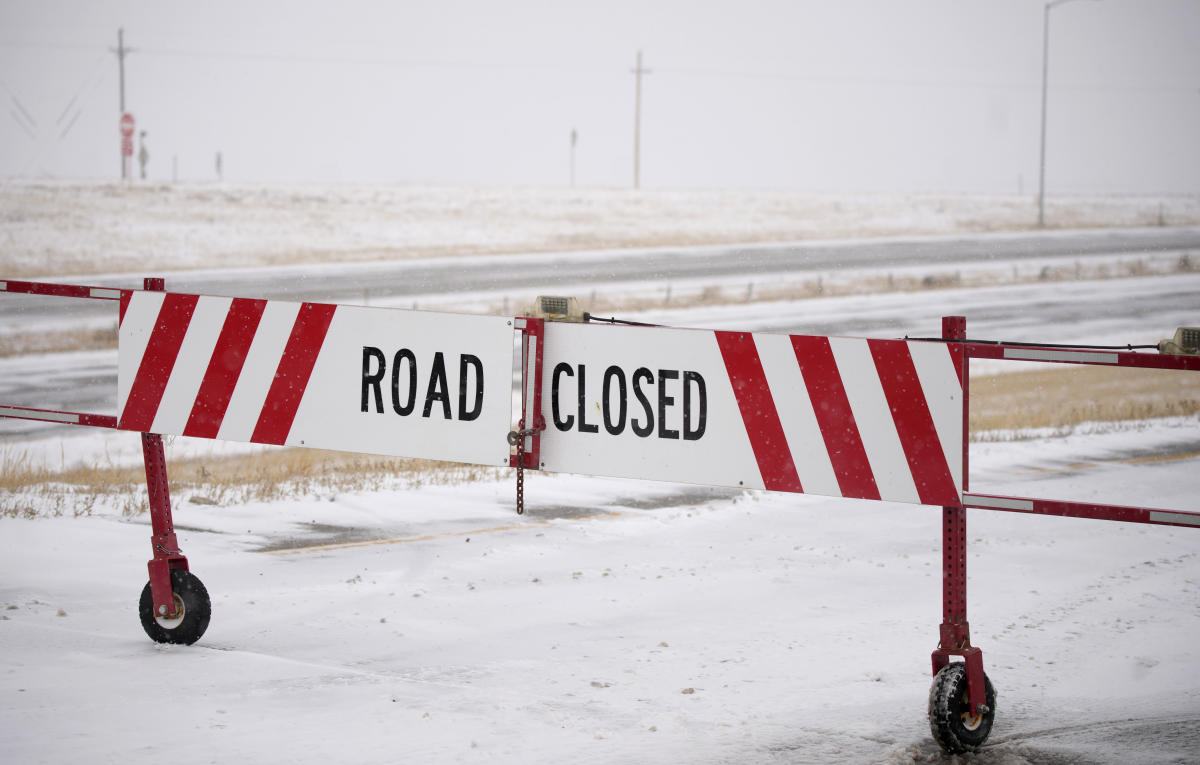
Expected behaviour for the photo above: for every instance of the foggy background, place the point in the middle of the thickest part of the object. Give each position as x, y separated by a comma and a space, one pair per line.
855, 95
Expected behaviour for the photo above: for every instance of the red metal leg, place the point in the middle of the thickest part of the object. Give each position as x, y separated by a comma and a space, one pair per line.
167, 555
955, 631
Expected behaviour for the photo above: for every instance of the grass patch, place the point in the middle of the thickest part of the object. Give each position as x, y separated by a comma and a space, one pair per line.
28, 490
1060, 397
58, 341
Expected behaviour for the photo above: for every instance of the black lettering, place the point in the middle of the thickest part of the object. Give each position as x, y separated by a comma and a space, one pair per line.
647, 427
664, 401
437, 390
371, 380
464, 361
690, 433
560, 368
406, 408
610, 374
584, 427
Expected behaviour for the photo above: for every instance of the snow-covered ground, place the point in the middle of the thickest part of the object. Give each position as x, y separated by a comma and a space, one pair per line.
615, 622
624, 621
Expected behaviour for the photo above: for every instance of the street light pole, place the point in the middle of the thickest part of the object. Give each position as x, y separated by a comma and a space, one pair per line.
1045, 72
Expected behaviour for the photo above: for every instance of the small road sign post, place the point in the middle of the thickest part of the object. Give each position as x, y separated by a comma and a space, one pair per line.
127, 126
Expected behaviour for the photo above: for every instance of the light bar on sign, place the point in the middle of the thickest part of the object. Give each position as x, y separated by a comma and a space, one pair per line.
1185, 343
556, 308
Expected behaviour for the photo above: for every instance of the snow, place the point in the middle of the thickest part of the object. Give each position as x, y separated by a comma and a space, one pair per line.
602, 627
624, 621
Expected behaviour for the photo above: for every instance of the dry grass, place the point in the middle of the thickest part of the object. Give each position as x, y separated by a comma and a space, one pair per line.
1060, 397
58, 341
28, 490
282, 473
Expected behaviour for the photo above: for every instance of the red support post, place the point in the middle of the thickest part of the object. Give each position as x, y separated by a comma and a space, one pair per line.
167, 555
955, 631
528, 437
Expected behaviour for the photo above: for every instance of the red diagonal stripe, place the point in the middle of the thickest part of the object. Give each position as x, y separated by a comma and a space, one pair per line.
958, 354
759, 414
224, 368
291, 377
123, 305
914, 423
834, 416
155, 369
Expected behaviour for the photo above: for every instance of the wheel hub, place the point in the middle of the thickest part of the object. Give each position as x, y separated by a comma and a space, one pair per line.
170, 623
970, 721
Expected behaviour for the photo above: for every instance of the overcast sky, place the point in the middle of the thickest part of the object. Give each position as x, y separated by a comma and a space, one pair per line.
852, 95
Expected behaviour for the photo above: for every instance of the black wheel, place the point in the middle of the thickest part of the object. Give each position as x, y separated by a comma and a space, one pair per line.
954, 728
191, 604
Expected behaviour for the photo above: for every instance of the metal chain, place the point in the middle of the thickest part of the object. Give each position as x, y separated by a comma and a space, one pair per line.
521, 475
517, 439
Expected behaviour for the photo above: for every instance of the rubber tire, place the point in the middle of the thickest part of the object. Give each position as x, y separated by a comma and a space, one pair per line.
191, 596
948, 707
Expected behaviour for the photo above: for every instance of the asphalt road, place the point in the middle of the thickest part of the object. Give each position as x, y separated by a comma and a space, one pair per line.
345, 283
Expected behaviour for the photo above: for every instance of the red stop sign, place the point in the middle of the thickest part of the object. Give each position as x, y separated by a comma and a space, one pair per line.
127, 125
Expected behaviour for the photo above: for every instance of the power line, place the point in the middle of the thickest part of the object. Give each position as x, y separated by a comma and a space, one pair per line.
290, 58
54, 45
701, 72
844, 80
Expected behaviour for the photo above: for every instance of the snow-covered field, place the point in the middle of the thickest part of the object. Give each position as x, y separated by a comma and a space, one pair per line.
56, 229
623, 621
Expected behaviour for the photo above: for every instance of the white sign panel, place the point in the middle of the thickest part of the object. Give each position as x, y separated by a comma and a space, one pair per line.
843, 417
412, 383
642, 403
350, 378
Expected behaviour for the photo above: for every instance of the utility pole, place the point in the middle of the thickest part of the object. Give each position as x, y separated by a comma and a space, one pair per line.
121, 52
637, 122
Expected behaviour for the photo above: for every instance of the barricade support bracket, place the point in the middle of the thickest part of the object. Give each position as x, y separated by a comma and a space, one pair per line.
165, 546
527, 438
955, 631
